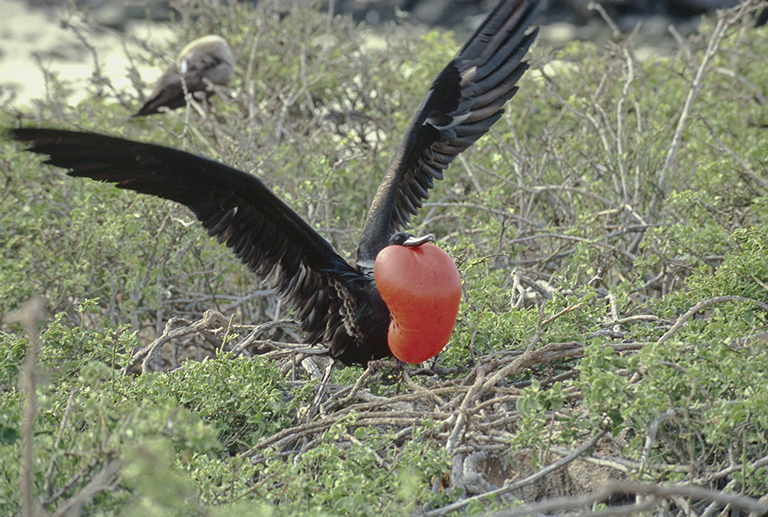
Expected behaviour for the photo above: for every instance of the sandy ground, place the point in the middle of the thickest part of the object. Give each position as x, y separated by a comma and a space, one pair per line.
33, 40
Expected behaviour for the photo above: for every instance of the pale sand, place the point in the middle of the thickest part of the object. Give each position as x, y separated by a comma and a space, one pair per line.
25, 33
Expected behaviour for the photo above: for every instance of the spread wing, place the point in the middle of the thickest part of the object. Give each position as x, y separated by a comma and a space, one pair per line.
463, 102
235, 207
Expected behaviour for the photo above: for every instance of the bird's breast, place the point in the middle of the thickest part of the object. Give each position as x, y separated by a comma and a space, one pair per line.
422, 289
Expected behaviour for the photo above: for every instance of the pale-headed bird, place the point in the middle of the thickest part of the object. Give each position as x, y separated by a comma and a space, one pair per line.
205, 62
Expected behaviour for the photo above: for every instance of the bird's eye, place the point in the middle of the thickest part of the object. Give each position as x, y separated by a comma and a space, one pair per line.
400, 238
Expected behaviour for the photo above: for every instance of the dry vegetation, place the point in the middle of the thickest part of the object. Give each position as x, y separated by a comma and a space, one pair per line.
610, 354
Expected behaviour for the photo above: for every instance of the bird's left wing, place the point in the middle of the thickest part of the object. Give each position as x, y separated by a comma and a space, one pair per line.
234, 206
463, 102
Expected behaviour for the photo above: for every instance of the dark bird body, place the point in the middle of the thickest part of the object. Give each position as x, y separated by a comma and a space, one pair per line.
338, 304
205, 62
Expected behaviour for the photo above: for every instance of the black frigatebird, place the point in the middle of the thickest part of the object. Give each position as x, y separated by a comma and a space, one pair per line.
401, 297
204, 62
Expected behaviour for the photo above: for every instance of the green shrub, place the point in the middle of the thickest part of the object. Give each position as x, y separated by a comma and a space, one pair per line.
565, 243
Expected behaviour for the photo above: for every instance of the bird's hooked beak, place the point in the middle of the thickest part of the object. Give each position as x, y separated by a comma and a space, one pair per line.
415, 242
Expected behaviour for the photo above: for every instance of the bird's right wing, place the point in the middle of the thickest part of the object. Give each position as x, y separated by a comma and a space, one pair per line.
168, 92
234, 206
464, 101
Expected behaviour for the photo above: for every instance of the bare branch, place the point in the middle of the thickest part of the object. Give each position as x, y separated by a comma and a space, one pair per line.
703, 305
29, 315
99, 483
656, 492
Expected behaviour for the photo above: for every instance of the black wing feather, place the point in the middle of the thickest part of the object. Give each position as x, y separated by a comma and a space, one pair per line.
235, 207
464, 101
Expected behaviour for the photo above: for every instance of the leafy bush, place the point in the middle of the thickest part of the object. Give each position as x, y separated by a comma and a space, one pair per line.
612, 301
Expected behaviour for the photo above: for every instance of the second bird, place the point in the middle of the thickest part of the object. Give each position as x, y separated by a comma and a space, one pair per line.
205, 62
